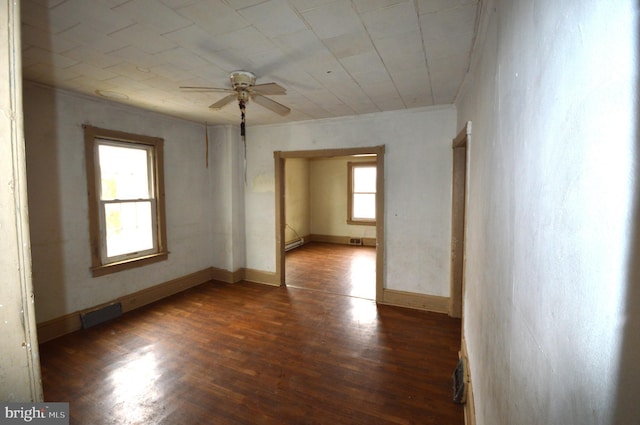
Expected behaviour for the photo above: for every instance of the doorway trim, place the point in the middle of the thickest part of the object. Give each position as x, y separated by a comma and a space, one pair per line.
458, 220
281, 156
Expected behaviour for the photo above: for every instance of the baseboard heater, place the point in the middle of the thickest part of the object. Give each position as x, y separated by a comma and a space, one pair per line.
294, 244
100, 315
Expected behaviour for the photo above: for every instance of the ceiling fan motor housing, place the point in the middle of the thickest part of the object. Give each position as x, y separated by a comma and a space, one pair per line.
242, 79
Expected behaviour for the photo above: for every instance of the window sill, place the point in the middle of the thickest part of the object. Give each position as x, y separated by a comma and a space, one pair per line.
128, 264
362, 222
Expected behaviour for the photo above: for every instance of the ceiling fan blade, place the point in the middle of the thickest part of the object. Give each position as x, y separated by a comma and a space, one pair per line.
222, 102
269, 88
207, 89
276, 107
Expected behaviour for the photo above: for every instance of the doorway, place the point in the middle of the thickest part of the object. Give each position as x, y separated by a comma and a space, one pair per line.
281, 224
458, 214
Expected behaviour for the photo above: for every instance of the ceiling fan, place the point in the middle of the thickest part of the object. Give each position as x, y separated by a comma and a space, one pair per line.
243, 89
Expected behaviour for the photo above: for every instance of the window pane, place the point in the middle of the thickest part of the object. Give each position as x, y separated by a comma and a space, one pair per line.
364, 179
123, 172
364, 206
129, 227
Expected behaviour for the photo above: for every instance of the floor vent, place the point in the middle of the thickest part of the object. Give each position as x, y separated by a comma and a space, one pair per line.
101, 315
459, 384
355, 241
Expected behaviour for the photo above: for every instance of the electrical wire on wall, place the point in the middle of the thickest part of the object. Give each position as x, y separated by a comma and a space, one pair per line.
244, 137
294, 231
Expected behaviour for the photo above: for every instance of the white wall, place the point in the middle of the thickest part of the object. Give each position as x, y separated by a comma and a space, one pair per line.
551, 269
59, 207
227, 198
417, 188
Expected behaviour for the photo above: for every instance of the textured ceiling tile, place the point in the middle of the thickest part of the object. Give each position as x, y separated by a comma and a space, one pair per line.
144, 39
89, 85
414, 87
176, 4
50, 3
46, 58
303, 5
303, 48
371, 77
32, 36
352, 44
379, 89
438, 27
39, 16
364, 6
213, 16
99, 42
171, 72
431, 6
130, 71
402, 52
192, 37
366, 62
246, 41
371, 55
392, 20
391, 104
333, 19
48, 74
96, 15
241, 4
446, 79
154, 14
132, 54
460, 44
89, 56
273, 18
95, 73
182, 57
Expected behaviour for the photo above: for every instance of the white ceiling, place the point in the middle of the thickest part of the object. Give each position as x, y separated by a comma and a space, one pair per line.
334, 57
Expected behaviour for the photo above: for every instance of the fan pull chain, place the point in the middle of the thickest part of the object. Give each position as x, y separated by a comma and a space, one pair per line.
206, 138
244, 137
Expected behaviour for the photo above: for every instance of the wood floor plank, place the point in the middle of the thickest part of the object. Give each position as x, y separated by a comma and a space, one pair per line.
255, 354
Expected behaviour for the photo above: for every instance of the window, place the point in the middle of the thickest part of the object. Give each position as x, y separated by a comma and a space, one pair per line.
126, 200
362, 193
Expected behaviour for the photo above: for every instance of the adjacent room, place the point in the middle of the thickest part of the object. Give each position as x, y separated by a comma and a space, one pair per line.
321, 211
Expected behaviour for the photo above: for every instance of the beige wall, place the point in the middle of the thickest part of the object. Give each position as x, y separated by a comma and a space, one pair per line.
328, 188
296, 199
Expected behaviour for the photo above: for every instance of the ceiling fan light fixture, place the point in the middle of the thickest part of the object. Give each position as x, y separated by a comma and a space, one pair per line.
242, 79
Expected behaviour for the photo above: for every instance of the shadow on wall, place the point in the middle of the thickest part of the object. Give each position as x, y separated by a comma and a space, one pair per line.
44, 188
627, 409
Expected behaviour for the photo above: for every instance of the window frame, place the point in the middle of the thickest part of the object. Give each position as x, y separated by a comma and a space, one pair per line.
351, 165
94, 137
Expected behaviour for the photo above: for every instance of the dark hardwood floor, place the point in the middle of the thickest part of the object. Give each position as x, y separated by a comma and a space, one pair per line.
337, 269
254, 354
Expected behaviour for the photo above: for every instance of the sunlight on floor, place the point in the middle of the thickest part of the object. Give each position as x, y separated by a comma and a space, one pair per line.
362, 274
135, 391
